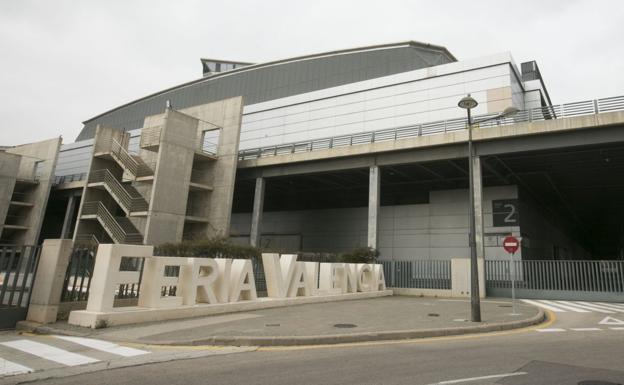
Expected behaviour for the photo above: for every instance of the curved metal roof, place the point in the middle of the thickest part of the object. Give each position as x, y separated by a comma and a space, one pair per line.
277, 79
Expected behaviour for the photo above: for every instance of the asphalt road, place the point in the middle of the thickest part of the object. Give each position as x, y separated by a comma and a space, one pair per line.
575, 347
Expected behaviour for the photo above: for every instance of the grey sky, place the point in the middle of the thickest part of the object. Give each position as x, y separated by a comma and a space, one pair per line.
62, 62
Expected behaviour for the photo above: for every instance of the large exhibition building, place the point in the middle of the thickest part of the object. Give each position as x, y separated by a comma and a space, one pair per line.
333, 151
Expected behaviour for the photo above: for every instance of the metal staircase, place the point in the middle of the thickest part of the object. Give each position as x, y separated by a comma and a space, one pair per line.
127, 196
133, 163
120, 229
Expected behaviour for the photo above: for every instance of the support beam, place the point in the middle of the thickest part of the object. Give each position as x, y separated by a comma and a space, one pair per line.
256, 216
478, 205
373, 206
69, 214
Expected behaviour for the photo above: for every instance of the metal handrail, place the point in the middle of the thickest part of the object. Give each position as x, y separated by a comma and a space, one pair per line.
130, 162
588, 107
87, 239
118, 191
60, 179
109, 222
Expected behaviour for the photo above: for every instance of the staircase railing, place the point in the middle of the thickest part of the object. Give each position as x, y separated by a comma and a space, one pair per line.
131, 162
128, 202
110, 223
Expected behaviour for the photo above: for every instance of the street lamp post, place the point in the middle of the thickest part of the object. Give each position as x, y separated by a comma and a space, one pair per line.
468, 103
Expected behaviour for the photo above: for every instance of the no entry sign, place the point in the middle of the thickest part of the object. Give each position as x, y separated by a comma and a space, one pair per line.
511, 244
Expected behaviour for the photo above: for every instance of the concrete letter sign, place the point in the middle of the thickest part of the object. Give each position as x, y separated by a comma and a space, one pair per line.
380, 280
243, 284
106, 274
351, 278
154, 281
300, 284
366, 277
278, 273
222, 285
198, 277
332, 278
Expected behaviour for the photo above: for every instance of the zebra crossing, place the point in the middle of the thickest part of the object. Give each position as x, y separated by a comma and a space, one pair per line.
577, 306
26, 355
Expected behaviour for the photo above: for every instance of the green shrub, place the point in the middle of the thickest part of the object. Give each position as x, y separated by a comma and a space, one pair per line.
359, 255
219, 247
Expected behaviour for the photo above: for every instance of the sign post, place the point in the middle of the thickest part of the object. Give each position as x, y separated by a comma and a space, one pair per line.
511, 245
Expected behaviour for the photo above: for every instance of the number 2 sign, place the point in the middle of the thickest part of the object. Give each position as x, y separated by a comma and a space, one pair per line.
505, 212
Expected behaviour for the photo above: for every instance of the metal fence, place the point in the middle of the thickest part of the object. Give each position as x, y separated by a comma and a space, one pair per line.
557, 279
418, 274
78, 275
588, 107
18, 267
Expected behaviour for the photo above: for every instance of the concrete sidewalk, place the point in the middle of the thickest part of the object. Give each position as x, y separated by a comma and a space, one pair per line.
386, 318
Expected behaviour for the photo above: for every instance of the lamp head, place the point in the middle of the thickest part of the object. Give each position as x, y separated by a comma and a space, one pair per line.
467, 102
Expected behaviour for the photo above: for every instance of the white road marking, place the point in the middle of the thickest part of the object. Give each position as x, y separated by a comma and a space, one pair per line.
583, 305
551, 308
104, 346
479, 378
618, 328
586, 329
8, 368
611, 321
49, 352
551, 330
611, 306
567, 307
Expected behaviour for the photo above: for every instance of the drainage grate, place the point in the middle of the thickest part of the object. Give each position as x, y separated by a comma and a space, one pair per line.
433, 315
343, 326
271, 325
505, 306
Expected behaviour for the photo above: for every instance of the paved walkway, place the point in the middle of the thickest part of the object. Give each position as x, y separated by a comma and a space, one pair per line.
348, 321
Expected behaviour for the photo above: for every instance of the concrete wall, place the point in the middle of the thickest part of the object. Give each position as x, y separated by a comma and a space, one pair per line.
221, 174
437, 230
38, 160
169, 194
9, 165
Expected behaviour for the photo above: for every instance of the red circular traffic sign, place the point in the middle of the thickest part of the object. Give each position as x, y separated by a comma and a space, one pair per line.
511, 244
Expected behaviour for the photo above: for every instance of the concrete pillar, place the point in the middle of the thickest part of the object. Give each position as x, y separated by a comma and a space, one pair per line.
256, 216
460, 277
373, 206
478, 206
48, 284
69, 214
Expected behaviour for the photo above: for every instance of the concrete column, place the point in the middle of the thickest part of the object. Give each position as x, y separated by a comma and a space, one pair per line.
48, 285
373, 206
69, 213
478, 206
256, 216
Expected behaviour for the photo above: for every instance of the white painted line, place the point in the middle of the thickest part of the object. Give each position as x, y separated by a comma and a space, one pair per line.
617, 328
551, 308
586, 329
104, 346
49, 352
611, 321
8, 368
604, 307
612, 306
567, 307
551, 330
582, 305
479, 378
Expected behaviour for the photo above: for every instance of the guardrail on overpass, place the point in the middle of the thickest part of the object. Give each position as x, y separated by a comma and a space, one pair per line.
559, 111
